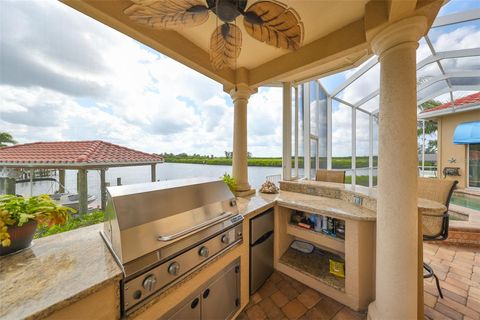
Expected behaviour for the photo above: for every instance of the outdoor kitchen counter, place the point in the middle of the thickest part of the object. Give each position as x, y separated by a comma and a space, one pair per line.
348, 194
56, 272
334, 207
331, 199
71, 272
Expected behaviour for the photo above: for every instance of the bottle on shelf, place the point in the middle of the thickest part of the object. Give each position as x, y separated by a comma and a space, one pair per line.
318, 224
340, 229
330, 226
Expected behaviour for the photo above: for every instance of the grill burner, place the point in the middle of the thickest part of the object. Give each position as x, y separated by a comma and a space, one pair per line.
162, 231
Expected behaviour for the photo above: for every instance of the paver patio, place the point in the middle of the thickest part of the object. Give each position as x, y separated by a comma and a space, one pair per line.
458, 269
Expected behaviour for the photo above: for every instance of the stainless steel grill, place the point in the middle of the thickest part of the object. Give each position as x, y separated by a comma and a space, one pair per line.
162, 231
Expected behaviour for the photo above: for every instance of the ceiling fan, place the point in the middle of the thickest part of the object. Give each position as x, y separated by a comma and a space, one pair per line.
268, 21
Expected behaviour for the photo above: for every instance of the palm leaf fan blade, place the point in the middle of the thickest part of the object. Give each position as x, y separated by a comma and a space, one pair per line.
168, 14
275, 24
225, 43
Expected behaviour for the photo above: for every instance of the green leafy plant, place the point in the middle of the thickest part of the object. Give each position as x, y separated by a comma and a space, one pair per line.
72, 224
6, 139
230, 181
17, 210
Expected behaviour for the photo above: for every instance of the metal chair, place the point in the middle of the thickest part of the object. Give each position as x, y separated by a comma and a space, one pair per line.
435, 227
337, 176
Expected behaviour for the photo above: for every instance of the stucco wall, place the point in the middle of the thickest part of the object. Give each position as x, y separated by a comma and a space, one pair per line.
448, 150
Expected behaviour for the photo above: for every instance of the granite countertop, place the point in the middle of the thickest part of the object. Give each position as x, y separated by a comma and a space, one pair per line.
55, 272
335, 207
360, 190
323, 205
345, 193
251, 205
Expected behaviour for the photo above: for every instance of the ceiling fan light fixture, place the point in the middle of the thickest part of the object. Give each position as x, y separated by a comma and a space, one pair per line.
197, 9
252, 18
268, 21
225, 29
227, 10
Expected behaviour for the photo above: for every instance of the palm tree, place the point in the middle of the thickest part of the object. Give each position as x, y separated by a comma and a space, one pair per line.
5, 139
430, 126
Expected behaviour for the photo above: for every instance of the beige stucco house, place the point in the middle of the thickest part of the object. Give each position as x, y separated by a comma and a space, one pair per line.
458, 139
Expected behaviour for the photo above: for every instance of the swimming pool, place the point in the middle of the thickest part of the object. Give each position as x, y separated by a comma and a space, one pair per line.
465, 200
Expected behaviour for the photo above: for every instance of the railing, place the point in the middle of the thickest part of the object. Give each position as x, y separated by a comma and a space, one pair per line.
427, 171
274, 178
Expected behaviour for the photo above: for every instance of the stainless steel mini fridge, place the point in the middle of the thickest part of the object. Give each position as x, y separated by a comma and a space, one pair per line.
261, 249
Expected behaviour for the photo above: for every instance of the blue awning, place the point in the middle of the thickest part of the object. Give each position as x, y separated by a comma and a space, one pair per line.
467, 133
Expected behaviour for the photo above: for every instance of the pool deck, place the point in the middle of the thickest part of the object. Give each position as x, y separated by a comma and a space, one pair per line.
471, 192
458, 269
472, 214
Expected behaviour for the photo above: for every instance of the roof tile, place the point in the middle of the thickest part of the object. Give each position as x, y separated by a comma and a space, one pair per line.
467, 100
89, 153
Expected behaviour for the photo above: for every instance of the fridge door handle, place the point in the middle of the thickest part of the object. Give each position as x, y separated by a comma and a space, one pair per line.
263, 238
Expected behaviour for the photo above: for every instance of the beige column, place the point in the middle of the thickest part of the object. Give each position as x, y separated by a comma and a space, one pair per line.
397, 261
240, 95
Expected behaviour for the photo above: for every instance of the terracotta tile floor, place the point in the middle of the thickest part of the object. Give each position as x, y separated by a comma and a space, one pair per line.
282, 297
458, 269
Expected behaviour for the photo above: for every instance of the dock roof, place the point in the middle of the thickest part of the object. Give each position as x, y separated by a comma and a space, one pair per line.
73, 154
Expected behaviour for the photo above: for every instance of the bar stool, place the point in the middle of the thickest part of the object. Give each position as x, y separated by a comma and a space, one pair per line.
435, 227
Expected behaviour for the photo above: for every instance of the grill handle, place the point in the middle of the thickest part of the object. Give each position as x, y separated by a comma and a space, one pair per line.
174, 236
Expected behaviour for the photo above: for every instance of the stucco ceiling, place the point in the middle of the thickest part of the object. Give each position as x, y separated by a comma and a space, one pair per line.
335, 38
333, 14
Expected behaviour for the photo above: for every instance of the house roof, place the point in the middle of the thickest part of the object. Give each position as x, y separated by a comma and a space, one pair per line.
459, 103
73, 154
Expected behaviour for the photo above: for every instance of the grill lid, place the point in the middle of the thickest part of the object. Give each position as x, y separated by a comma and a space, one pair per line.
145, 217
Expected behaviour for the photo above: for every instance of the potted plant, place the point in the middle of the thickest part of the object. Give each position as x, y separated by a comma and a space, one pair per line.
20, 216
230, 181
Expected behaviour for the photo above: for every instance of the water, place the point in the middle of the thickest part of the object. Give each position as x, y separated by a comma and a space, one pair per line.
165, 171
465, 200
131, 175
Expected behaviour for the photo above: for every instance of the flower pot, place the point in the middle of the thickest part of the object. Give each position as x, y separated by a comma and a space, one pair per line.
20, 237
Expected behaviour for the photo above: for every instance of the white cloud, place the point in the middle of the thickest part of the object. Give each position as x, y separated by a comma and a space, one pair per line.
464, 37
265, 122
84, 80
66, 76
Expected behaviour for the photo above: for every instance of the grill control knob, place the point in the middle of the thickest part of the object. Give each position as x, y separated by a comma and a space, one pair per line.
225, 239
173, 268
149, 282
203, 252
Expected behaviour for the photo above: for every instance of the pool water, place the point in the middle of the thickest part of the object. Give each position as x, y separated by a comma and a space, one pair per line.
465, 200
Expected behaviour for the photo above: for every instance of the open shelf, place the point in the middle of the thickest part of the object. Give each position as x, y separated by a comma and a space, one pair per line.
318, 238
356, 290
315, 265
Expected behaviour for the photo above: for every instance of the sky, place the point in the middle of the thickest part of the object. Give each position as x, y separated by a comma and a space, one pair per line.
65, 76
